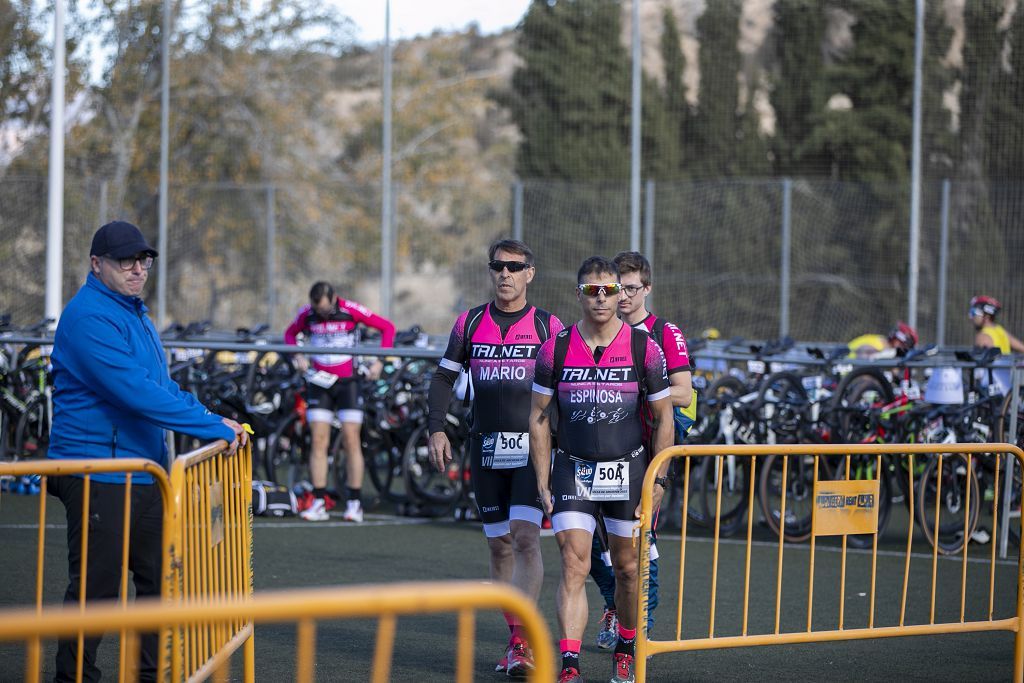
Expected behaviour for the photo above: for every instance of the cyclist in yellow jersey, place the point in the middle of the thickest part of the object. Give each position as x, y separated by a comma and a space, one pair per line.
902, 337
988, 332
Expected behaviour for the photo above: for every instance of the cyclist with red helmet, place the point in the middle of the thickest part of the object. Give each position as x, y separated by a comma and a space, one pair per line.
902, 337
987, 332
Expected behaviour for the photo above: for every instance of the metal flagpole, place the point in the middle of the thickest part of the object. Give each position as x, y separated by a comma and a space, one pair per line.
55, 207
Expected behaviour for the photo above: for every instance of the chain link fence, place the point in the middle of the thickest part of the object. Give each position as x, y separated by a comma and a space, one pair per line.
246, 254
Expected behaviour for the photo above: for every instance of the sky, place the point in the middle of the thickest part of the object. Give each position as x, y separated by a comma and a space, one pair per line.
420, 17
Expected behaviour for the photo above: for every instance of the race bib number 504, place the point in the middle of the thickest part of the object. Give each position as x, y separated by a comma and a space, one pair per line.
602, 480
506, 450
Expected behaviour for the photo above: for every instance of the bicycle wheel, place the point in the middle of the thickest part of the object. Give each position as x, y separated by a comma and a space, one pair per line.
32, 435
6, 435
1003, 422
955, 482
1015, 502
856, 395
286, 447
864, 384
422, 480
720, 392
672, 510
731, 474
781, 399
798, 486
383, 459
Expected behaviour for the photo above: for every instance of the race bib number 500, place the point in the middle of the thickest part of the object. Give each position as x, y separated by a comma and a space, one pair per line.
506, 450
322, 379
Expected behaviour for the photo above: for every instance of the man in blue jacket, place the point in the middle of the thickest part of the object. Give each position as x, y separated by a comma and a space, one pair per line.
113, 398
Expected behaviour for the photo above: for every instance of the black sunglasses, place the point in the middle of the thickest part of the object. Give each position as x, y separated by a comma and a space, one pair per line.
513, 266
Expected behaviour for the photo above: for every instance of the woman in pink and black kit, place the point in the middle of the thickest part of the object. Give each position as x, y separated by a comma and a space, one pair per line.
328, 323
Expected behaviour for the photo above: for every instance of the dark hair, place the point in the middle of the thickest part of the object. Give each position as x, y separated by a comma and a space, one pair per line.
634, 262
595, 265
511, 246
319, 290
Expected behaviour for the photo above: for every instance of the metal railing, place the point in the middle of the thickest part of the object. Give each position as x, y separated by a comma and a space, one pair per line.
304, 607
213, 527
87, 468
776, 636
207, 550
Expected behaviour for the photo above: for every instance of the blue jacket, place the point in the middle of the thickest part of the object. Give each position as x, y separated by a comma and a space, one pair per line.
113, 396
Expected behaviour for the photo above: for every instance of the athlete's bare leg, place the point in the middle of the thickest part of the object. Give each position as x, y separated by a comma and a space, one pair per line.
502, 560
321, 434
572, 595
625, 561
528, 570
351, 440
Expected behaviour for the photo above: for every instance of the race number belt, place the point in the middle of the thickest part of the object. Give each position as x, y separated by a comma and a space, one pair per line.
505, 450
322, 379
602, 480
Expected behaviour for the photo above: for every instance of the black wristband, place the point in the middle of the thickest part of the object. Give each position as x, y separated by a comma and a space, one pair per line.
663, 482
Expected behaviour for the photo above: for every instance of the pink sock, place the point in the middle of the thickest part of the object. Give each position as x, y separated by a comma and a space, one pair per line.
566, 645
627, 633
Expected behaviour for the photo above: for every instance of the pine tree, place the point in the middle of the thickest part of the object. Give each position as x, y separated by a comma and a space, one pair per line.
712, 147
870, 140
1004, 123
798, 84
677, 109
571, 96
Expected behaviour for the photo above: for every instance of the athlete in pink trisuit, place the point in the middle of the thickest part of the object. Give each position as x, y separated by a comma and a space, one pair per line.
598, 373
497, 343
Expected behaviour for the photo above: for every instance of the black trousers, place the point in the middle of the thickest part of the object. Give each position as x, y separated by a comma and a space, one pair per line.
103, 577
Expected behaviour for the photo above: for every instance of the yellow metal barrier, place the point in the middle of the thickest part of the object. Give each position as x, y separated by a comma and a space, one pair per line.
213, 501
86, 468
303, 607
646, 647
207, 542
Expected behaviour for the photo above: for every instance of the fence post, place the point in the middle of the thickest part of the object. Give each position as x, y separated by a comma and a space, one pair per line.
648, 247
517, 210
787, 235
1004, 532
634, 129
915, 168
386, 226
271, 256
104, 201
940, 322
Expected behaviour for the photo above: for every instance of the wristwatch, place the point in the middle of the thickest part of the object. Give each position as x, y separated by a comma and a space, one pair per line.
662, 482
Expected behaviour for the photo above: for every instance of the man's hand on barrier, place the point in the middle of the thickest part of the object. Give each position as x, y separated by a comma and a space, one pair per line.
656, 495
300, 362
241, 437
440, 450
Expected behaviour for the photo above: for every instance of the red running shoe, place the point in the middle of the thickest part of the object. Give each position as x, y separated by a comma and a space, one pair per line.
305, 501
570, 675
520, 660
623, 669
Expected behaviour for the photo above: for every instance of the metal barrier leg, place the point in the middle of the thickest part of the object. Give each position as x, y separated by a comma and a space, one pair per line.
249, 665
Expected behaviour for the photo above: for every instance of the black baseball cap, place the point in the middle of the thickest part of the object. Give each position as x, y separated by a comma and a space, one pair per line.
120, 239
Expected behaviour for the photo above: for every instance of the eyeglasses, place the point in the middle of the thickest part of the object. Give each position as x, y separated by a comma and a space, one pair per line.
974, 312
513, 266
631, 290
610, 289
128, 263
